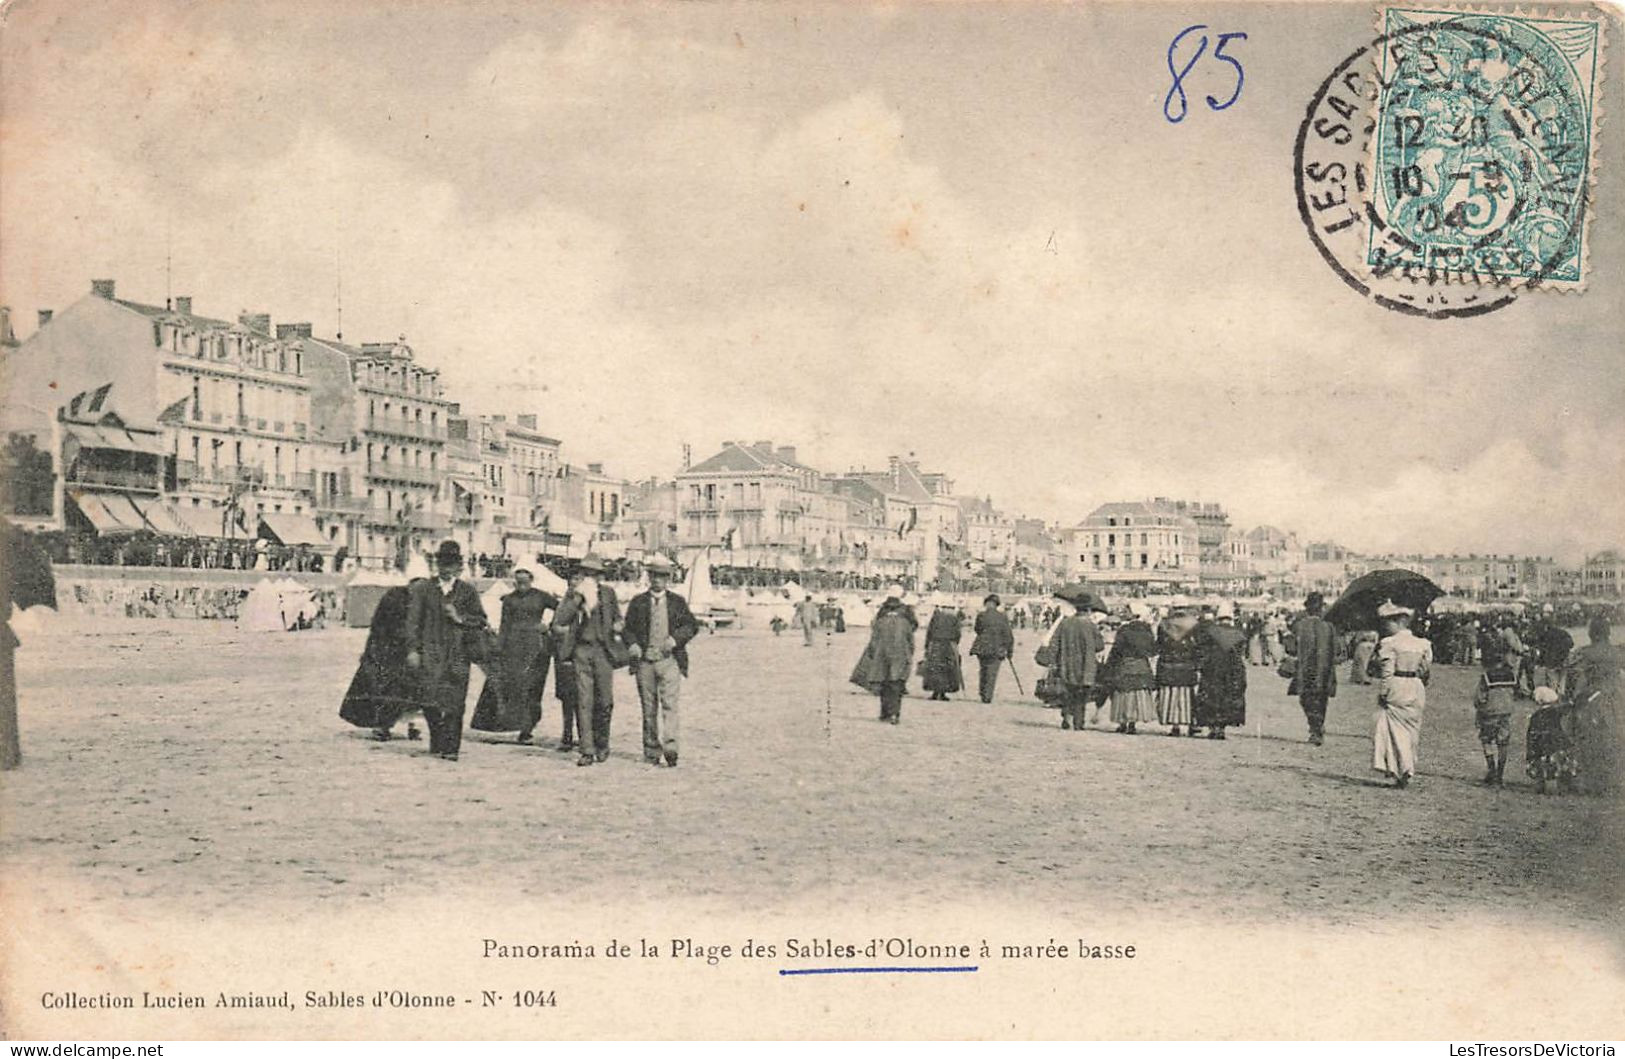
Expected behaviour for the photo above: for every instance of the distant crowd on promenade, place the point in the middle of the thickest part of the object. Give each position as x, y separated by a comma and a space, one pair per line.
1184, 668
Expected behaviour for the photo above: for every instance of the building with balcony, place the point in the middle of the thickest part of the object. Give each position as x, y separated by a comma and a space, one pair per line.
1603, 575
921, 512
231, 401
385, 493
1153, 544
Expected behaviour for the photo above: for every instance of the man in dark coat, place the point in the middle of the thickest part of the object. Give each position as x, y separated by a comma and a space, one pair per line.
1315, 681
659, 626
512, 697
993, 644
587, 623
890, 654
1552, 648
383, 687
443, 619
1075, 646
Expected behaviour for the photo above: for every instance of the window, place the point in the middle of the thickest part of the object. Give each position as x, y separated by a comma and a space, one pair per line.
1145, 560
1111, 540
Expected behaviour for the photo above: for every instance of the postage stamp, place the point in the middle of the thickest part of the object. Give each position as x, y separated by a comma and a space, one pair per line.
1482, 147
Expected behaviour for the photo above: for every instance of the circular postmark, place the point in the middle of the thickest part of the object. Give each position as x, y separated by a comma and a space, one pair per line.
1443, 167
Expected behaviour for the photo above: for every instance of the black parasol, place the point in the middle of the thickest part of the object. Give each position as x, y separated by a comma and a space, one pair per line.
1078, 593
1357, 607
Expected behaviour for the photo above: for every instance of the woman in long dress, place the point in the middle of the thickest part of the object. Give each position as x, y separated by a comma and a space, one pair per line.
1221, 673
943, 675
1402, 664
1129, 663
1176, 671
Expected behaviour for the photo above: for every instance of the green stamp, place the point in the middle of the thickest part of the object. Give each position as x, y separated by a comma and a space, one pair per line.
1482, 147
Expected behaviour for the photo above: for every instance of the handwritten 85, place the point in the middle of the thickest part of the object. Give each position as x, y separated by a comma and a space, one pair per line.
1176, 105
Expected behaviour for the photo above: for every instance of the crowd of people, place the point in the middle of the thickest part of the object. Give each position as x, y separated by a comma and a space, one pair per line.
1185, 668
201, 553
426, 637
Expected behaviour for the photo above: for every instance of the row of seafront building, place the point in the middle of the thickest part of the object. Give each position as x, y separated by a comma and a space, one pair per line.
157, 417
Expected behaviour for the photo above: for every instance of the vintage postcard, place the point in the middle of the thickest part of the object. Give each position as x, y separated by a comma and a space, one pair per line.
571, 520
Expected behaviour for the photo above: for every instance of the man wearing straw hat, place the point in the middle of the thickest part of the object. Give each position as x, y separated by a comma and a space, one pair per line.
659, 626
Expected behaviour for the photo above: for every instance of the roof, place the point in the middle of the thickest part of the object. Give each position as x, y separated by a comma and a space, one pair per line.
160, 313
745, 459
1142, 508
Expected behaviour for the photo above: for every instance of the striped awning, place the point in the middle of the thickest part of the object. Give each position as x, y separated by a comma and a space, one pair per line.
110, 514
103, 436
290, 529
164, 520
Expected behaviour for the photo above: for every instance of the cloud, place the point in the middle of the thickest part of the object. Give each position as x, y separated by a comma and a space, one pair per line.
654, 232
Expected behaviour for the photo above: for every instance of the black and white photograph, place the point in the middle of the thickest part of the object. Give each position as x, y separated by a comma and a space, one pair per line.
570, 520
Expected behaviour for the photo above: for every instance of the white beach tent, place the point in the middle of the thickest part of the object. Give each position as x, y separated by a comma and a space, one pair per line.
262, 610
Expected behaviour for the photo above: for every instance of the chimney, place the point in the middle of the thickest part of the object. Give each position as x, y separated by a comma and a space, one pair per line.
183, 304
527, 422
44, 317
595, 468
102, 288
768, 445
8, 337
787, 453
285, 331
260, 322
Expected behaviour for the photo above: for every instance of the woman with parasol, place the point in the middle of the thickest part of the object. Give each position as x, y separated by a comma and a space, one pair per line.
1401, 664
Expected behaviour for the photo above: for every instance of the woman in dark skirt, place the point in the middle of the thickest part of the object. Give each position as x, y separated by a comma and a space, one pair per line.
1176, 671
383, 687
1221, 691
512, 697
1132, 682
943, 675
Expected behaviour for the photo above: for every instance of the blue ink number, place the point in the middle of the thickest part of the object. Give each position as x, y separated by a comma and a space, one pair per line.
1179, 75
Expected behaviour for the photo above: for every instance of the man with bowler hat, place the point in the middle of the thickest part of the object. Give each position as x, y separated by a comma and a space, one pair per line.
658, 628
993, 644
444, 619
586, 624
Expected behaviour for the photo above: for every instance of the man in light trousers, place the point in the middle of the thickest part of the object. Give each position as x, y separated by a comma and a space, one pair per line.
658, 627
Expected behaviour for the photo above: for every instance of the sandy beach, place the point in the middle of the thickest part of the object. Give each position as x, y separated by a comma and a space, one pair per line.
188, 764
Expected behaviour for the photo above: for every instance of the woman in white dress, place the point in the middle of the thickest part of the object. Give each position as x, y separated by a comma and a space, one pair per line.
1402, 665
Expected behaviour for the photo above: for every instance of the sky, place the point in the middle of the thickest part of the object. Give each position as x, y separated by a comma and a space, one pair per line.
956, 230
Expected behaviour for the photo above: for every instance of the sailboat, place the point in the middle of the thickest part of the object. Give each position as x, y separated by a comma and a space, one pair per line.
703, 598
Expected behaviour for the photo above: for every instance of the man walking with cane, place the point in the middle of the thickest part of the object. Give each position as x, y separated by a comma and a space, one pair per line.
993, 644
